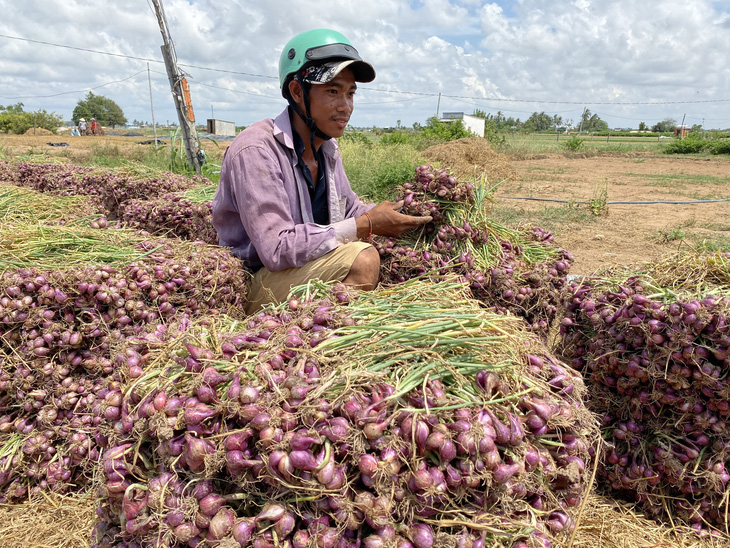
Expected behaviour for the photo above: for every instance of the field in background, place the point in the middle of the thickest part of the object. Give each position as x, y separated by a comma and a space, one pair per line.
573, 196
571, 191
536, 143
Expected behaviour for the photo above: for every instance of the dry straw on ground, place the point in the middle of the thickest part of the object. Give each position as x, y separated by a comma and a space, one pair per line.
49, 521
472, 158
53, 521
607, 523
38, 131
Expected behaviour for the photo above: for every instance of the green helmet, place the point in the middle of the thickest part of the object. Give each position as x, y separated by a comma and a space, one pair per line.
318, 46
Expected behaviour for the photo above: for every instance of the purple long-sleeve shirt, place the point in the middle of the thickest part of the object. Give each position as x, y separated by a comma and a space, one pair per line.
262, 208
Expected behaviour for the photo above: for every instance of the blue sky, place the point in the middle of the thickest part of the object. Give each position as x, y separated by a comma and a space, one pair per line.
628, 62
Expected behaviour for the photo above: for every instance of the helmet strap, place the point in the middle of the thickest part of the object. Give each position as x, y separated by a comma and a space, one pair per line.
306, 117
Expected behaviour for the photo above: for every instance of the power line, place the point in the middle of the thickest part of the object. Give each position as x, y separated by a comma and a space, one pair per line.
133, 57
497, 99
416, 93
77, 91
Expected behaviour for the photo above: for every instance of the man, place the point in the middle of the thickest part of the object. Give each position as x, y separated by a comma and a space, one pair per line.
284, 204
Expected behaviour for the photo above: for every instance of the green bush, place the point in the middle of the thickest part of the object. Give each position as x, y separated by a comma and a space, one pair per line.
574, 143
355, 137
375, 171
20, 122
398, 137
686, 146
445, 131
720, 147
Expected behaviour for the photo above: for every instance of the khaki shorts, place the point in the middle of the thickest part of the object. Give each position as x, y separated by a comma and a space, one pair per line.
273, 287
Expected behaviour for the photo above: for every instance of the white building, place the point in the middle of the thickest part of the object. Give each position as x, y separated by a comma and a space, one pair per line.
474, 124
221, 127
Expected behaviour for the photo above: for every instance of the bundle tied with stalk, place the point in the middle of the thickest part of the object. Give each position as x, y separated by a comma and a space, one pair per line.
520, 270
186, 215
653, 342
409, 416
79, 321
106, 189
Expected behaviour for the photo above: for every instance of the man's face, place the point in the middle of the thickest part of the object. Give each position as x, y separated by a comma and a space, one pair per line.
331, 104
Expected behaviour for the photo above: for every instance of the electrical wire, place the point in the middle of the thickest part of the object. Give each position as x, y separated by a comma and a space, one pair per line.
135, 58
77, 91
417, 93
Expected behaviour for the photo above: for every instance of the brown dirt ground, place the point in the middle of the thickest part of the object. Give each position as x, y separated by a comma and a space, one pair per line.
81, 149
628, 233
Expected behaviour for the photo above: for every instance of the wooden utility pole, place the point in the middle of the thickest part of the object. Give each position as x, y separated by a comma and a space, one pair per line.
180, 91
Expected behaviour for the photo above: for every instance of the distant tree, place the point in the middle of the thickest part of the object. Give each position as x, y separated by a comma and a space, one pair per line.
497, 121
643, 126
592, 122
492, 126
17, 108
664, 126
106, 111
445, 131
539, 122
14, 120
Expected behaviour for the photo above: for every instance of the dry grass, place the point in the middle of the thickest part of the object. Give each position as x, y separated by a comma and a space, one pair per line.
55, 521
51, 521
472, 158
607, 523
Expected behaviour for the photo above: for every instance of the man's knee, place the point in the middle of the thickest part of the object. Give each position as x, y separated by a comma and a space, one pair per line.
365, 270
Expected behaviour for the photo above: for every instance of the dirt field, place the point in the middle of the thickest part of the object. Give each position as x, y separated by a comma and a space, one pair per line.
81, 149
628, 233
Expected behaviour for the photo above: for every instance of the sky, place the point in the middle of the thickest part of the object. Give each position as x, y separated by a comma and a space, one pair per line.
626, 61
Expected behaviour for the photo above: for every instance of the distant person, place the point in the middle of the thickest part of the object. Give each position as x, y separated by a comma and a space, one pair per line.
82, 126
75, 132
284, 203
94, 126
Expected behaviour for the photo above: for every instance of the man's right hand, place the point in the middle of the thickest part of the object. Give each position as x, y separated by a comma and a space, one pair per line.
388, 221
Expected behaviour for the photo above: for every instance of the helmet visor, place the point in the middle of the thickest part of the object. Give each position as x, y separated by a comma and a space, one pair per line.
332, 51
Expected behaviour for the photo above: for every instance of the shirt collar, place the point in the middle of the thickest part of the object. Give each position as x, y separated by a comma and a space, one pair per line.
284, 133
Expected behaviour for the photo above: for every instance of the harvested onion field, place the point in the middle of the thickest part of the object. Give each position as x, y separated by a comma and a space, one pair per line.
480, 397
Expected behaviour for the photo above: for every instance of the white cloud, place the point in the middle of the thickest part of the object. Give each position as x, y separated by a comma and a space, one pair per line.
517, 56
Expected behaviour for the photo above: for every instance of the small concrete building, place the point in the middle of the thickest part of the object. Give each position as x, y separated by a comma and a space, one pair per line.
474, 124
219, 127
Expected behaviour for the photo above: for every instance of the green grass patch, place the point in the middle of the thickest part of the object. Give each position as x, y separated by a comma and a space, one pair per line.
550, 218
375, 171
712, 244
521, 146
673, 180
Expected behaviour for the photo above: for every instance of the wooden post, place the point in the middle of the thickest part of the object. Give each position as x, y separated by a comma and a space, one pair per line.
180, 91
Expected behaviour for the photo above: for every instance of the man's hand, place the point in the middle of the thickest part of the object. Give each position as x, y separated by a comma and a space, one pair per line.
388, 221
